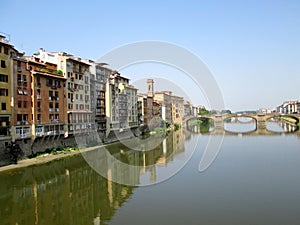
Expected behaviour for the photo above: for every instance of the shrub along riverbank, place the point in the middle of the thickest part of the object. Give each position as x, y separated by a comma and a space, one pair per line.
53, 151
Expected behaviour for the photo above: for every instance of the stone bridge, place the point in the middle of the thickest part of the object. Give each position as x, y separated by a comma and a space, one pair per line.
260, 119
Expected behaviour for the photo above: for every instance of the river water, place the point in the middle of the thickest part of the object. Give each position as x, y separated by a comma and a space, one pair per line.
254, 179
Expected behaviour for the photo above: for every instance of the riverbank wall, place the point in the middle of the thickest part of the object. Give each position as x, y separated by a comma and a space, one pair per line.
30, 147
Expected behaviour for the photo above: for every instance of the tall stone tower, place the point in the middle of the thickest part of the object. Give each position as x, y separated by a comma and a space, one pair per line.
150, 85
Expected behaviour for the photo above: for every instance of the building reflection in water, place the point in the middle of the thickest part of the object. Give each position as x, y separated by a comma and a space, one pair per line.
69, 191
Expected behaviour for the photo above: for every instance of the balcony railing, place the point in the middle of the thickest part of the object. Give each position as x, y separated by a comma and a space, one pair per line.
55, 121
23, 122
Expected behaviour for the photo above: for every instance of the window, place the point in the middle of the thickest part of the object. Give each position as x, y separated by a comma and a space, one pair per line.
3, 78
18, 63
5, 50
19, 117
25, 104
3, 92
19, 104
49, 82
38, 80
3, 106
19, 80
50, 93
3, 64
57, 83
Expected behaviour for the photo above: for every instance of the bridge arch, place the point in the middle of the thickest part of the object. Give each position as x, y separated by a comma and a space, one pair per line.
229, 116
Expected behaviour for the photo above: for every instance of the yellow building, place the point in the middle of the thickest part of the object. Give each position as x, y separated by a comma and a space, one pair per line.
177, 109
6, 52
172, 106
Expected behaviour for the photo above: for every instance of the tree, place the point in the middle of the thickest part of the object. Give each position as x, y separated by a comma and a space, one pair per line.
203, 111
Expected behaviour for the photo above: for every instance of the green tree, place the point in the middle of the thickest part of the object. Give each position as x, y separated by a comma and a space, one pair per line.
203, 112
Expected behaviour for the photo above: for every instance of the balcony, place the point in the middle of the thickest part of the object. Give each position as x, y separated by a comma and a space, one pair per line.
57, 110
51, 110
55, 121
23, 122
100, 120
19, 69
53, 87
38, 97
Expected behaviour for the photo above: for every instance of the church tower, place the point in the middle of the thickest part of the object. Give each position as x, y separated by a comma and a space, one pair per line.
150, 91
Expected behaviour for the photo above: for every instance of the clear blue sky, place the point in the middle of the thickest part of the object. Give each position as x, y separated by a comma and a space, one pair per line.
252, 47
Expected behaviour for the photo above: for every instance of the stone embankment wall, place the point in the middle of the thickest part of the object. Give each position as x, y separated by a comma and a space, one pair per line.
40, 145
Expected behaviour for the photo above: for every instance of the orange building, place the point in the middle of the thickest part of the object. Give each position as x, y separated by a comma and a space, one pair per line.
48, 99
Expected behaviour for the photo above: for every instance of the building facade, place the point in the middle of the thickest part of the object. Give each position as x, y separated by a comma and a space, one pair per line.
77, 88
7, 51
121, 104
289, 107
48, 99
98, 78
22, 120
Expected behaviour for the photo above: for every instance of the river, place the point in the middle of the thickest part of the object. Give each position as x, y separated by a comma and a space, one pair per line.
254, 179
